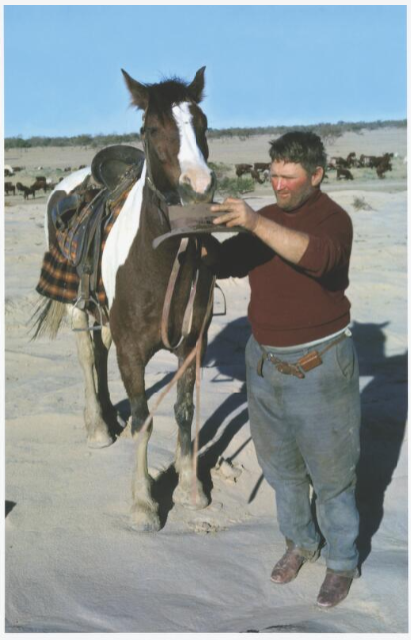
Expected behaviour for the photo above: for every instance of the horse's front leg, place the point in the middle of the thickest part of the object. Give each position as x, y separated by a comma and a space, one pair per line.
98, 434
189, 491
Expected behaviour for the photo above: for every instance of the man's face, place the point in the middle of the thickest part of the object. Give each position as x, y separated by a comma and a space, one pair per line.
292, 184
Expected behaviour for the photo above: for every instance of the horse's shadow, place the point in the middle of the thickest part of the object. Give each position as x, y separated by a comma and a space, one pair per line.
225, 354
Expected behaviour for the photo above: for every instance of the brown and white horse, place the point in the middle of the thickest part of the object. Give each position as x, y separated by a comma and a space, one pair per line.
135, 278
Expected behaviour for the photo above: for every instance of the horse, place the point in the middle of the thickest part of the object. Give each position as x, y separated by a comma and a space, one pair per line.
135, 278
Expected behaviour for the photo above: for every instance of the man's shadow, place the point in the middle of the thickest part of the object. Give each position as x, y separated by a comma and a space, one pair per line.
384, 405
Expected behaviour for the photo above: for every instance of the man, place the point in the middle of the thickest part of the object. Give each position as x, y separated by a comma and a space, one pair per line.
302, 369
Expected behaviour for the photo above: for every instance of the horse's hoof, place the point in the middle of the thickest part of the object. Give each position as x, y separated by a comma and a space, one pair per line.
99, 440
145, 520
187, 499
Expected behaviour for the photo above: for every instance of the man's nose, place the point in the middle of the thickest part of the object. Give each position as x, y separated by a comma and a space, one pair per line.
279, 184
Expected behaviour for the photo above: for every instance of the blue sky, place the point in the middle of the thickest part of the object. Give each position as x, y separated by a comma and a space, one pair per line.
265, 65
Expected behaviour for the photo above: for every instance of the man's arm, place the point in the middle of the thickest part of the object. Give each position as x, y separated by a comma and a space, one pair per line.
236, 256
287, 243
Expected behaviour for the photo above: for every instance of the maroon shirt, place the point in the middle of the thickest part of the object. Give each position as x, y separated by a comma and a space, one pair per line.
293, 304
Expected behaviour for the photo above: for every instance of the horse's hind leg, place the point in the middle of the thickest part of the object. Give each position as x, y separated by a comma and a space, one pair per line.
144, 510
98, 434
102, 342
189, 491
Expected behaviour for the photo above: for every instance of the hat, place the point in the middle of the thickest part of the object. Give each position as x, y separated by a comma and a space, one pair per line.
194, 219
110, 164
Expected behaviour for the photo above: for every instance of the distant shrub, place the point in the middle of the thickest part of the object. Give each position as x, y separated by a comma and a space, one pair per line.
235, 186
326, 130
359, 203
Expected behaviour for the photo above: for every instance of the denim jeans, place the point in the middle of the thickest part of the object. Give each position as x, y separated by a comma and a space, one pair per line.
307, 431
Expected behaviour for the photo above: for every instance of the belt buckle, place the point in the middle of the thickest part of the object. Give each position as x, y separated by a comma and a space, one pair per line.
288, 369
284, 368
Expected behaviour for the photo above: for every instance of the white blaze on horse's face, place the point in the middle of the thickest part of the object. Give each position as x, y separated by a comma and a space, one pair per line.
194, 169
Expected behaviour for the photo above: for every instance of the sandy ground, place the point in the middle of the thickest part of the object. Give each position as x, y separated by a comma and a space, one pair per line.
73, 564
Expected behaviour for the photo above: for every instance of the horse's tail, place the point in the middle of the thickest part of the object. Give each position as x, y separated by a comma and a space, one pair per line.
47, 318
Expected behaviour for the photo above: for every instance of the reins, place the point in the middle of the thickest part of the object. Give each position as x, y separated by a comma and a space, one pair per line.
188, 313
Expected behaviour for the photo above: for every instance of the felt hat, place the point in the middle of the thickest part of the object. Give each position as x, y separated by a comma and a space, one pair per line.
193, 219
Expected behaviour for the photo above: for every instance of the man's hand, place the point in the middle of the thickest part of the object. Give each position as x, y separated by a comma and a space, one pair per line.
236, 213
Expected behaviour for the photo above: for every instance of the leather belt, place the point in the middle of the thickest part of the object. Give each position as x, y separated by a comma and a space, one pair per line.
298, 369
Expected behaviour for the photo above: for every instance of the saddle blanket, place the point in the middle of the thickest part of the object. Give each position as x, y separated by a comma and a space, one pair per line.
59, 279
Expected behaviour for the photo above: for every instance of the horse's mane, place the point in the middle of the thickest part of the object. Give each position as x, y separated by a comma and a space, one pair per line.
169, 91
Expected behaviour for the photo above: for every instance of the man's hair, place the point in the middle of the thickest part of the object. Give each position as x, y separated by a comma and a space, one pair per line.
299, 147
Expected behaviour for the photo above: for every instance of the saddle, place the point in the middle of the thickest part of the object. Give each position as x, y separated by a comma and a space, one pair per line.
80, 216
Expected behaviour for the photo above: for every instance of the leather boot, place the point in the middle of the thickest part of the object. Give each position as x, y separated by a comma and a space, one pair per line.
287, 567
334, 589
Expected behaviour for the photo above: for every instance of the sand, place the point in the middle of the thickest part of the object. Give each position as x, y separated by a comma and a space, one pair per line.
73, 564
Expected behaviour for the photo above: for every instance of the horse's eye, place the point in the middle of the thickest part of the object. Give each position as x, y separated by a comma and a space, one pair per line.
152, 130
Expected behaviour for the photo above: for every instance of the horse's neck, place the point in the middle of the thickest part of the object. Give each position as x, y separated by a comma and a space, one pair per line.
154, 218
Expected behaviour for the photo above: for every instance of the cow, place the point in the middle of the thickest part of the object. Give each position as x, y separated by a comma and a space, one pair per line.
40, 183
344, 173
9, 187
384, 166
261, 166
256, 176
241, 169
27, 191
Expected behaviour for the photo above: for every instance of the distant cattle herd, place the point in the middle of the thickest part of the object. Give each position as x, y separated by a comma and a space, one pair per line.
381, 164
41, 183
259, 171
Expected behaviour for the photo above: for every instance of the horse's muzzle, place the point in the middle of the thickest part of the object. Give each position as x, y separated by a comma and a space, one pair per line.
189, 196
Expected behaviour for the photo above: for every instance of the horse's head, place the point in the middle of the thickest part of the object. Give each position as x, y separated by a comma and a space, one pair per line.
174, 133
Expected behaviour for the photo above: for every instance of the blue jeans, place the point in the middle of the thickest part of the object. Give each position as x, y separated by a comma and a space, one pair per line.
307, 430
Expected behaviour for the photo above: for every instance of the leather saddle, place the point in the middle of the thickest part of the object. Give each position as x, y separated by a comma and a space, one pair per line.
80, 216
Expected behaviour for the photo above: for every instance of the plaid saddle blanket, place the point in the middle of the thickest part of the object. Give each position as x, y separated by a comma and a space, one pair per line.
59, 279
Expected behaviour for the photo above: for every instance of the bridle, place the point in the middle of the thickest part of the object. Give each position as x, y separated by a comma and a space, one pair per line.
149, 174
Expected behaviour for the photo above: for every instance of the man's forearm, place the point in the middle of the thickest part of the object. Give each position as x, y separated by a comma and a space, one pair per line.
289, 244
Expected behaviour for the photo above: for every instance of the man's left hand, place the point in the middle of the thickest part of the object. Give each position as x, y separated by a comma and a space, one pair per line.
236, 213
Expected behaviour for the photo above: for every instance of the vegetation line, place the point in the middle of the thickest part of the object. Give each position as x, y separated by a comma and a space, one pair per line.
326, 130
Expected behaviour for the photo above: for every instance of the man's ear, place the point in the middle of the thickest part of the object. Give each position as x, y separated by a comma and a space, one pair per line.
317, 177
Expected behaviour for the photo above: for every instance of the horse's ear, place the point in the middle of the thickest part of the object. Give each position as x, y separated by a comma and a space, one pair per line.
139, 92
196, 88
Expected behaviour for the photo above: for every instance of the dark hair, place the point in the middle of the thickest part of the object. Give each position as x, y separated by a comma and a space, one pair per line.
304, 148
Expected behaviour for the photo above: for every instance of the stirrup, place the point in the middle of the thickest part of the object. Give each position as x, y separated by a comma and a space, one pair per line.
224, 312
82, 300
